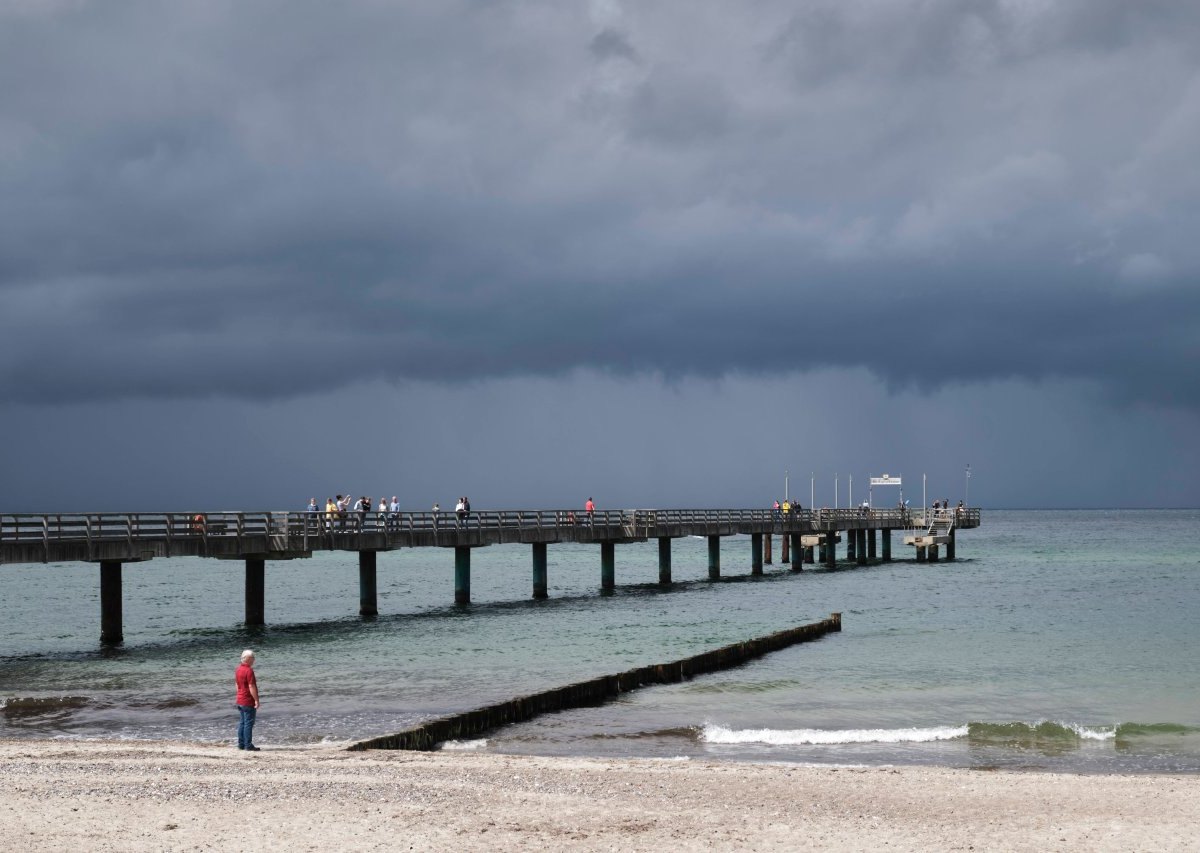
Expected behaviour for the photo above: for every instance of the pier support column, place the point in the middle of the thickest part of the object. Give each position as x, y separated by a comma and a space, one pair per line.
539, 569
886, 542
921, 556
950, 546
608, 565
871, 554
111, 623
933, 553
785, 547
256, 571
809, 556
714, 558
368, 595
756, 553
852, 545
797, 552
829, 549
824, 558
860, 549
664, 560
462, 574
766, 549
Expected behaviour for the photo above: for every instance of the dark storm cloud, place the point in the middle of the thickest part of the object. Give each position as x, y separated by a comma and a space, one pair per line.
270, 199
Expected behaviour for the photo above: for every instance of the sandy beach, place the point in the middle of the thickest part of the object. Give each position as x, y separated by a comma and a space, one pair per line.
71, 795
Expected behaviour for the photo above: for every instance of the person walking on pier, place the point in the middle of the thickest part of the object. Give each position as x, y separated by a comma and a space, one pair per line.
460, 510
590, 509
247, 701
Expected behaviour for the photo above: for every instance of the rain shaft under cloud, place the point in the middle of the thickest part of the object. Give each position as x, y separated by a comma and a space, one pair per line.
267, 201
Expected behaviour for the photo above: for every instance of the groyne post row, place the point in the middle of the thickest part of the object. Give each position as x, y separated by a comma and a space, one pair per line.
112, 539
595, 691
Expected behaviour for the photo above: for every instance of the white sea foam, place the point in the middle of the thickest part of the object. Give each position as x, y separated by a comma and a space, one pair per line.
462, 745
1093, 732
799, 737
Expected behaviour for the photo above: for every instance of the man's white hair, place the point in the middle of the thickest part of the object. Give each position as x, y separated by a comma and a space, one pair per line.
246, 655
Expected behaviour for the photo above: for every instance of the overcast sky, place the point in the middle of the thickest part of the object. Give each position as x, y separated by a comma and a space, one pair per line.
658, 253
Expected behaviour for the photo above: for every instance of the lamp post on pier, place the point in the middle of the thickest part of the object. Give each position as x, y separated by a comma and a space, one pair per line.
967, 488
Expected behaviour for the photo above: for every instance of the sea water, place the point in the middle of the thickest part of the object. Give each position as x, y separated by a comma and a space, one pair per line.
1062, 640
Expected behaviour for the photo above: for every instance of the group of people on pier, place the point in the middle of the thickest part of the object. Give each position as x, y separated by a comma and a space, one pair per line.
346, 513
785, 509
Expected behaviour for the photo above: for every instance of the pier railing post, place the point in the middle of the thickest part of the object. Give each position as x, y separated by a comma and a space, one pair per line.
714, 558
111, 622
368, 598
539, 570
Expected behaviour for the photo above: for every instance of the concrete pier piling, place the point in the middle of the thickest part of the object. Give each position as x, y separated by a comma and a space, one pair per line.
851, 546
797, 553
368, 589
871, 546
539, 570
256, 571
785, 548
809, 555
767, 549
608, 565
885, 539
714, 558
664, 560
860, 551
462, 574
112, 629
829, 549
756, 553
950, 546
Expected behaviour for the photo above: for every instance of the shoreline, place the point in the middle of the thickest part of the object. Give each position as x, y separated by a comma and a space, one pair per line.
141, 795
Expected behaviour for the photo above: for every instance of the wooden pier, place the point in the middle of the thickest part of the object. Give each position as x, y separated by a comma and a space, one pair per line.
113, 539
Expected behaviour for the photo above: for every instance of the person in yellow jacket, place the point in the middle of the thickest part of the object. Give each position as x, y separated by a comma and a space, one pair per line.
787, 508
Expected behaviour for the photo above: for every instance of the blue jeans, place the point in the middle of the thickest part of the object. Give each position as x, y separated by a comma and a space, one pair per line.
246, 726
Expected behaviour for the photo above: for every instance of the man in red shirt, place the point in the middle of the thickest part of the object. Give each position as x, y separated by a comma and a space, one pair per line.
247, 701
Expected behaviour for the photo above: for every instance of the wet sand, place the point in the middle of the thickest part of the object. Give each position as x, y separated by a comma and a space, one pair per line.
72, 795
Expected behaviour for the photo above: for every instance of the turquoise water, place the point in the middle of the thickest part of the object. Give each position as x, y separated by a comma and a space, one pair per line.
1062, 640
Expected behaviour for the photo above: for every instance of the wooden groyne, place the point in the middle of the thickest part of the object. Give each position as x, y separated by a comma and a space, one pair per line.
595, 691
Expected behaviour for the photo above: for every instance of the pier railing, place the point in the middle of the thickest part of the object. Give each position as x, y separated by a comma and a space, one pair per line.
307, 529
